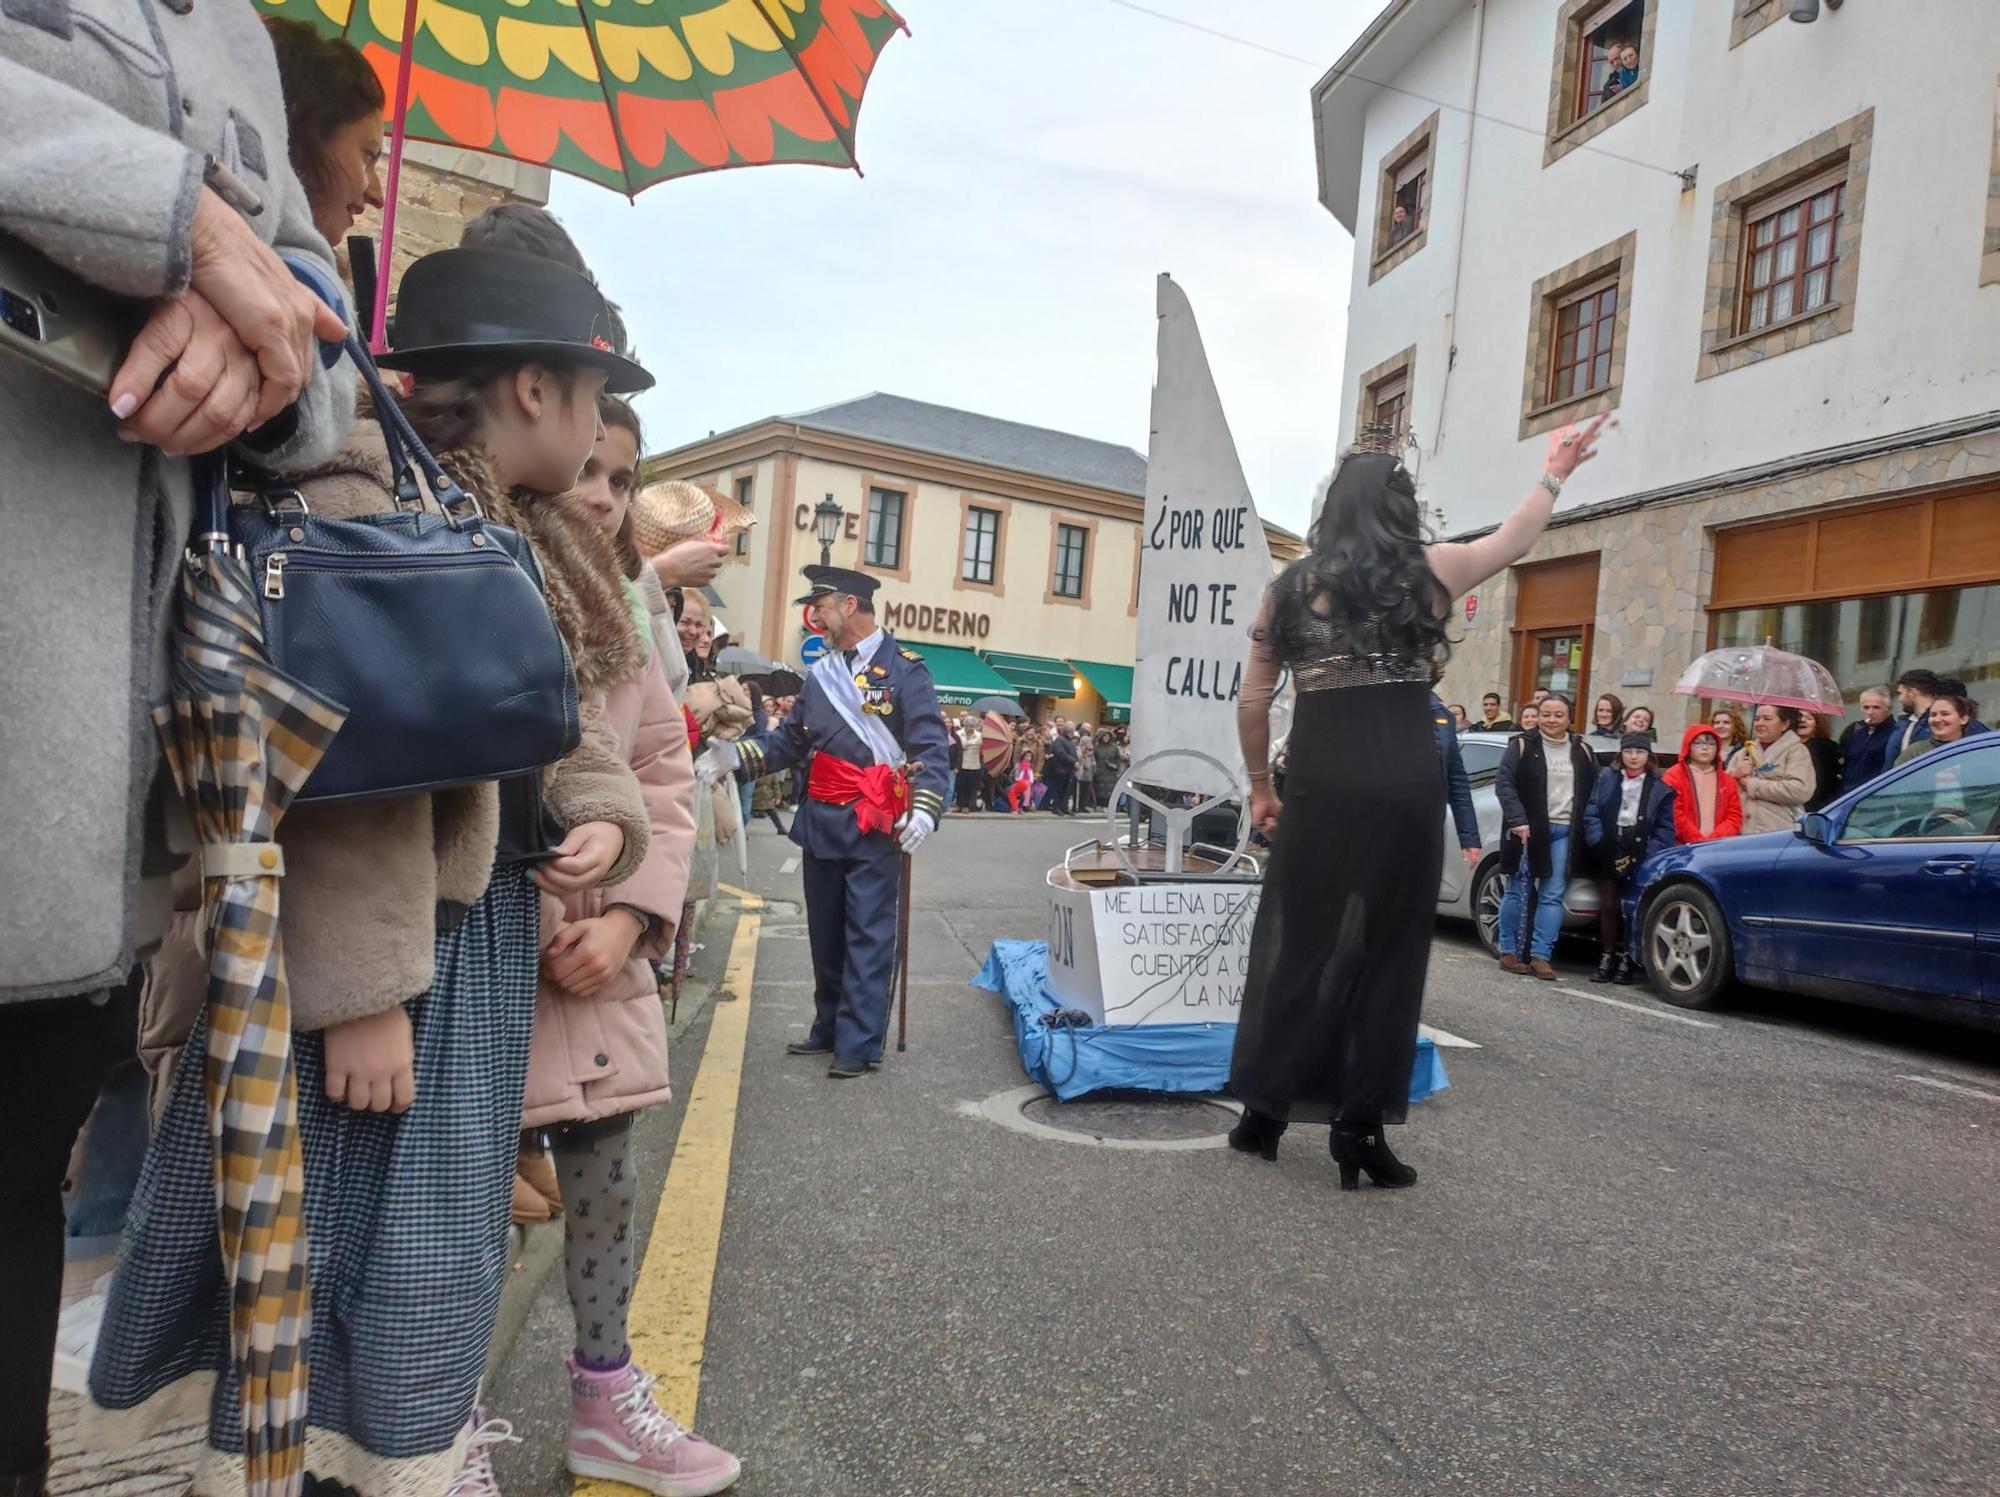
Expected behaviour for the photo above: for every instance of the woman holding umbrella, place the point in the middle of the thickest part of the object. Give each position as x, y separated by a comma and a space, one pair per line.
1774, 771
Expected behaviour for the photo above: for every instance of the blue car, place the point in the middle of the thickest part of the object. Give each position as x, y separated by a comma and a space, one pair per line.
1888, 897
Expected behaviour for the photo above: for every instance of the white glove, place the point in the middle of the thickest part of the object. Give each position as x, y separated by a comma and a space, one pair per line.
916, 827
717, 761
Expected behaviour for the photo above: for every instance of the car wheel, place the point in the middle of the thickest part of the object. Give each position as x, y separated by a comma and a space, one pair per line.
1488, 889
1686, 947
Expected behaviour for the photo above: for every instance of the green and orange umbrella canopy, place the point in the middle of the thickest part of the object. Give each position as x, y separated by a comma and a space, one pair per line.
625, 93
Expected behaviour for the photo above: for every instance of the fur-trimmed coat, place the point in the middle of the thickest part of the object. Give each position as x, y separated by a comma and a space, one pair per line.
367, 883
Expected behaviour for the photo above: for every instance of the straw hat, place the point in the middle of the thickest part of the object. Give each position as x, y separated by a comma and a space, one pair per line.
674, 510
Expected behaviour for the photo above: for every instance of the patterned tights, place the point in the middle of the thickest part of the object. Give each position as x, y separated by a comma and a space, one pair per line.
594, 1168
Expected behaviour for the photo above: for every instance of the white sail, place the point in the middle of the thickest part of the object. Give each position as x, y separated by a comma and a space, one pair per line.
1202, 570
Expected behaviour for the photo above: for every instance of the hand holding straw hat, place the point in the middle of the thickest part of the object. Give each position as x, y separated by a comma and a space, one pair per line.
674, 513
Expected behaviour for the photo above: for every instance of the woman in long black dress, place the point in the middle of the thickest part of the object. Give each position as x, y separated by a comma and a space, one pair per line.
1328, 1029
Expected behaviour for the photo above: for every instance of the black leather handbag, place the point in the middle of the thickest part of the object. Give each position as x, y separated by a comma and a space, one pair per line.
426, 625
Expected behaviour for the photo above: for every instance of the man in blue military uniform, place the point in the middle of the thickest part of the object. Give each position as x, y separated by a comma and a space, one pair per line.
868, 725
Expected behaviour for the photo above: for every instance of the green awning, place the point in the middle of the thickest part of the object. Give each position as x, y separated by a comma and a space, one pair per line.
961, 676
1113, 683
1037, 675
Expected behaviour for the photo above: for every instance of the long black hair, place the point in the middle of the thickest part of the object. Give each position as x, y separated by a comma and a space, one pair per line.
1365, 557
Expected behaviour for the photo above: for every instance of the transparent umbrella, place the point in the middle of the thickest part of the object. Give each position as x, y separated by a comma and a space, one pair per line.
1760, 673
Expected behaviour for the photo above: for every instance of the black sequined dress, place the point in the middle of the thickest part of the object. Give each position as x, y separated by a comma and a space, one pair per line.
1328, 1027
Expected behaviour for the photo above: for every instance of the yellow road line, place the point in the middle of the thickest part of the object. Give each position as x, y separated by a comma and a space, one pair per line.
669, 1324
749, 901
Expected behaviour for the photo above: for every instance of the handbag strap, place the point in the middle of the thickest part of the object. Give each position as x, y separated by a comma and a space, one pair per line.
407, 456
405, 446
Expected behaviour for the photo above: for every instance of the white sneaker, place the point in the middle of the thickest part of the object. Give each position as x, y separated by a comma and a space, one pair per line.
77, 1329
475, 1474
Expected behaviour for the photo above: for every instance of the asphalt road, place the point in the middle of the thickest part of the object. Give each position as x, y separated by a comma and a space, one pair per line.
1751, 1254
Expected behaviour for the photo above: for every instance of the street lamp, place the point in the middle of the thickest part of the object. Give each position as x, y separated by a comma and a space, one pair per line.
826, 524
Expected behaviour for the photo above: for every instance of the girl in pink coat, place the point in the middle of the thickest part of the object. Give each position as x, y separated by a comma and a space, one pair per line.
599, 1054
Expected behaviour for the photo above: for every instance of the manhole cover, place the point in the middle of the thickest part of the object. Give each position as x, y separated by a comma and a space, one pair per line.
1137, 1120
1134, 1122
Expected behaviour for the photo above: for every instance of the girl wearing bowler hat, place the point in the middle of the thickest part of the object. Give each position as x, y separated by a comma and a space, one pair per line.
413, 935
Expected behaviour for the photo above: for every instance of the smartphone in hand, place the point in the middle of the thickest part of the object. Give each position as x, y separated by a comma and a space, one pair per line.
76, 331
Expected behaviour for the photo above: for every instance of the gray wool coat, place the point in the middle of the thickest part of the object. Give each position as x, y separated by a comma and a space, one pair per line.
110, 113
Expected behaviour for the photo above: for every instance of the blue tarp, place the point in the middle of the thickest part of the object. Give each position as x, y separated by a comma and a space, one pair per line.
1072, 1063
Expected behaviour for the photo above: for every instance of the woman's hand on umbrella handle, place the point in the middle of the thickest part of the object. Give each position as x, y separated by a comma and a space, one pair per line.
1522, 832
371, 1062
585, 856
1264, 811
1573, 446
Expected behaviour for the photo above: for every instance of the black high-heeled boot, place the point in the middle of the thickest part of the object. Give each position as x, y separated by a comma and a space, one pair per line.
1360, 1146
1256, 1133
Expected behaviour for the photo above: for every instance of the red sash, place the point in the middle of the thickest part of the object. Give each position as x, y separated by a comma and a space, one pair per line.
878, 794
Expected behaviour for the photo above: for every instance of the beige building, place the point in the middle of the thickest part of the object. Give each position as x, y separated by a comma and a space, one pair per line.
1008, 554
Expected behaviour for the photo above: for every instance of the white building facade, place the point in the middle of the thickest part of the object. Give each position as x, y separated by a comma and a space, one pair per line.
1771, 249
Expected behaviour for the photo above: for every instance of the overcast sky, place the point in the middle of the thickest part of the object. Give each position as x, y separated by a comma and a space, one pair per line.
1030, 166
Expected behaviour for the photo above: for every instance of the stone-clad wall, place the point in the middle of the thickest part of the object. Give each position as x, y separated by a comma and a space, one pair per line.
1656, 566
442, 191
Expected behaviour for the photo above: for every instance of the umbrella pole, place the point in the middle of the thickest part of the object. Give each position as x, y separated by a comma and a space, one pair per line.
376, 334
902, 973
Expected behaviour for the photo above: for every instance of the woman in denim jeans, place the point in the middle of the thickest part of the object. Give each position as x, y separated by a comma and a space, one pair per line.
1544, 780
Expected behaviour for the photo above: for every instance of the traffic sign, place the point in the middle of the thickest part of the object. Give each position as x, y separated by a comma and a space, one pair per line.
811, 622
810, 651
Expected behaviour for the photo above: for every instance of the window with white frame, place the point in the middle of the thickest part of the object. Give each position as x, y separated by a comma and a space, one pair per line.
982, 546
1071, 541
884, 543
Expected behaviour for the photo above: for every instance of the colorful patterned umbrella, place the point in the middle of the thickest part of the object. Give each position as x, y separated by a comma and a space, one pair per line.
996, 743
241, 739
625, 93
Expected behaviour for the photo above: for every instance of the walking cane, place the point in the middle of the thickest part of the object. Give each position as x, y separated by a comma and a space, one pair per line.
902, 974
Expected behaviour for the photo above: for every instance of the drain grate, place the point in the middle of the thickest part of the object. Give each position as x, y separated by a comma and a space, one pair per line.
1133, 1120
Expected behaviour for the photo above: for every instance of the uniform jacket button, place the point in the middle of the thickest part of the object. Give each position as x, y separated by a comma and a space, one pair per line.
603, 1060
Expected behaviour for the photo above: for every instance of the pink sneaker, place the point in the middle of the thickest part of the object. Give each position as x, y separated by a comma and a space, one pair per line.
475, 1473
617, 1432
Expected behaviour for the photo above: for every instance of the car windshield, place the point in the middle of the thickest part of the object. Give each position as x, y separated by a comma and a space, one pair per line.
1950, 795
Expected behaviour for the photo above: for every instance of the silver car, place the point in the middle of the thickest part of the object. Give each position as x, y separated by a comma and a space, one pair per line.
1475, 893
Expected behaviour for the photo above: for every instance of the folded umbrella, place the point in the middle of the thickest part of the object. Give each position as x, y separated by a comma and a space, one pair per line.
240, 738
1760, 673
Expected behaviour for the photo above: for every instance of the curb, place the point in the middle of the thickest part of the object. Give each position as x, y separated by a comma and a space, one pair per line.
537, 1250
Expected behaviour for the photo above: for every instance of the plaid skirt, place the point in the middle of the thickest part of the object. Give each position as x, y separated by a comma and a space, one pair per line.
406, 1221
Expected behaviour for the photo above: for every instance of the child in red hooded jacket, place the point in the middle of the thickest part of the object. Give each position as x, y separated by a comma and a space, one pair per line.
1707, 804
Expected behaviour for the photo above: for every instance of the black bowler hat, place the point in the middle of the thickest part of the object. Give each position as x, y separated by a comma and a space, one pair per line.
830, 581
464, 303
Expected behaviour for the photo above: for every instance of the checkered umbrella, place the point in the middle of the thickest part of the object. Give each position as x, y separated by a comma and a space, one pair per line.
241, 738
